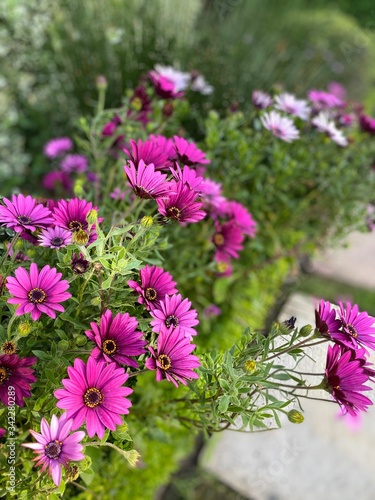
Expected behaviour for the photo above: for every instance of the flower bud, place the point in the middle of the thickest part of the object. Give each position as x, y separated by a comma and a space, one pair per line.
132, 457
80, 237
92, 216
81, 340
295, 417
63, 344
79, 265
72, 472
24, 328
250, 366
147, 221
78, 188
305, 331
101, 82
85, 463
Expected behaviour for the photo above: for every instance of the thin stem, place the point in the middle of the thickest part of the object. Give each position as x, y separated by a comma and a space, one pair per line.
308, 388
10, 247
134, 374
296, 346
10, 325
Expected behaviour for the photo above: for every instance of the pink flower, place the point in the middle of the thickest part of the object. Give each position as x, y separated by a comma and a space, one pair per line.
261, 100
38, 292
326, 321
56, 446
72, 215
74, 163
280, 126
188, 153
295, 107
149, 151
323, 123
116, 339
145, 182
187, 176
173, 359
110, 127
367, 123
168, 82
358, 329
228, 240
324, 100
166, 144
212, 311
211, 194
241, 217
58, 146
14, 372
94, 394
117, 194
55, 237
175, 312
55, 180
155, 285
181, 205
345, 380
23, 212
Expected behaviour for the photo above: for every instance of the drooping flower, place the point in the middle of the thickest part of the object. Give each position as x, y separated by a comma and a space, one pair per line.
117, 339
79, 265
188, 153
72, 215
175, 312
173, 359
228, 240
149, 151
15, 372
74, 163
280, 126
324, 100
182, 205
55, 237
293, 106
358, 329
261, 100
38, 292
57, 147
23, 212
345, 379
94, 393
241, 217
55, 445
326, 321
155, 285
145, 182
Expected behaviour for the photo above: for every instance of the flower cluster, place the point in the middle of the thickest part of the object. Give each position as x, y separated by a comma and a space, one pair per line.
347, 368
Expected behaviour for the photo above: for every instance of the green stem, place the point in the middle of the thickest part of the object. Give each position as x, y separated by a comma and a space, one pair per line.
134, 374
307, 388
296, 346
10, 247
10, 325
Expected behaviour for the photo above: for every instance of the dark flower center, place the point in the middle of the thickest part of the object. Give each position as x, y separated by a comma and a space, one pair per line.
57, 241
142, 192
37, 296
92, 397
109, 346
8, 347
171, 320
185, 160
4, 374
164, 361
24, 219
174, 212
352, 331
53, 449
75, 225
151, 294
219, 239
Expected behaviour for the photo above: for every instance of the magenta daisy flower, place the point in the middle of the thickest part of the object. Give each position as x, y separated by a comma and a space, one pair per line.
117, 339
324, 100
175, 312
326, 321
110, 127
94, 394
155, 285
149, 151
241, 217
261, 100
173, 359
56, 446
367, 123
2, 432
14, 372
358, 329
57, 147
165, 143
211, 194
38, 292
228, 240
168, 82
345, 379
57, 180
55, 237
74, 163
23, 212
293, 106
280, 126
187, 176
188, 153
72, 215
181, 205
145, 182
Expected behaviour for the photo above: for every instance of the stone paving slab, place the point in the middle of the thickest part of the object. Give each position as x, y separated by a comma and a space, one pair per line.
353, 264
321, 459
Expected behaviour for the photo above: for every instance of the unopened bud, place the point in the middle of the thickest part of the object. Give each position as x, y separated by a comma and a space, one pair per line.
80, 237
132, 457
78, 188
250, 366
81, 340
168, 109
98, 267
305, 331
147, 221
101, 82
24, 328
295, 417
72, 472
92, 216
85, 463
136, 104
